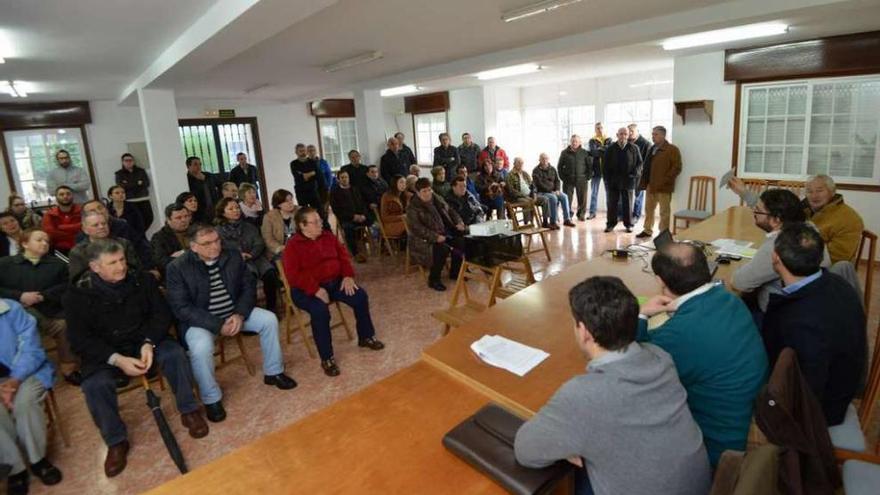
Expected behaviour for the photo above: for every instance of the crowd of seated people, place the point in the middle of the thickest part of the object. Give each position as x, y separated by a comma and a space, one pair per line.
202, 270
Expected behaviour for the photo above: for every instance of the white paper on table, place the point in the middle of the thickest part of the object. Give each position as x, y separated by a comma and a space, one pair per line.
507, 354
734, 247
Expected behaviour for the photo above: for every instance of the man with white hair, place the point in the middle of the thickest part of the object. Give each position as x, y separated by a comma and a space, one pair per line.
575, 168
838, 223
622, 169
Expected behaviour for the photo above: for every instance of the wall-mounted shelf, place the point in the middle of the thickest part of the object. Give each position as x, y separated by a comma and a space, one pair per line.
681, 108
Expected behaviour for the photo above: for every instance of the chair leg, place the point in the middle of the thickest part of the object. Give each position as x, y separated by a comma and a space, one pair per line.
247, 362
306, 337
344, 322
55, 417
546, 247
445, 329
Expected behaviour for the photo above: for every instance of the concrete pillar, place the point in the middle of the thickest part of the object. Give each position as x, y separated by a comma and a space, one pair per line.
167, 162
370, 118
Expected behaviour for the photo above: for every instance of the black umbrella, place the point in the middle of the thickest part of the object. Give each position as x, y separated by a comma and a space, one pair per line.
164, 429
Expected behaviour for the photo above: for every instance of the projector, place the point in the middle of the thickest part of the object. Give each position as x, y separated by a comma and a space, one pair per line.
490, 228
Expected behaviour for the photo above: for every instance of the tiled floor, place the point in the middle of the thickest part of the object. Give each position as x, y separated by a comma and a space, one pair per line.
401, 307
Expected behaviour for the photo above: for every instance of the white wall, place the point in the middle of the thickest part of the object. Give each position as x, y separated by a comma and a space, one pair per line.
707, 148
112, 128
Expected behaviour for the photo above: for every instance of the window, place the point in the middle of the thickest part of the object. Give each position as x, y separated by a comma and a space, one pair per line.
548, 130
338, 137
644, 113
823, 126
509, 132
32, 157
428, 127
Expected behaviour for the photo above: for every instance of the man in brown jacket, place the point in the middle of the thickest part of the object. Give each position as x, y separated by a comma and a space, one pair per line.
663, 164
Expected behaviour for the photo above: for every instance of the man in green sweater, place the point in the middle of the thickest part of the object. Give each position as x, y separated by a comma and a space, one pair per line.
714, 343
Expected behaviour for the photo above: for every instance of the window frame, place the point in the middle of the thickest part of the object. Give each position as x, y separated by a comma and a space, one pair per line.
741, 131
433, 135
343, 152
15, 187
611, 130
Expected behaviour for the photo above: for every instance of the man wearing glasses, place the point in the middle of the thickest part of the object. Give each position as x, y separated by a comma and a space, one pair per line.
213, 293
775, 209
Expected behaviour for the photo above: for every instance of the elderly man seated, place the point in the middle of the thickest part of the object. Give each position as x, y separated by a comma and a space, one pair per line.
117, 322
25, 374
319, 270
95, 226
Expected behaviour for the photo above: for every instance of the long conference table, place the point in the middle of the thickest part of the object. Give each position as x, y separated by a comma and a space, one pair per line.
387, 437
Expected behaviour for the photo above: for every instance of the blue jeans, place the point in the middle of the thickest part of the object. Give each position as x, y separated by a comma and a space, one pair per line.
594, 194
496, 204
101, 397
201, 352
554, 201
320, 314
637, 203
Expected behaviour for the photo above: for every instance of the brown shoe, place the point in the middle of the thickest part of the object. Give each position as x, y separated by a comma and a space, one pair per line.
195, 424
117, 458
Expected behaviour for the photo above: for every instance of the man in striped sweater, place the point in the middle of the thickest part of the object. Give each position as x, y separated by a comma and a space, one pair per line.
212, 293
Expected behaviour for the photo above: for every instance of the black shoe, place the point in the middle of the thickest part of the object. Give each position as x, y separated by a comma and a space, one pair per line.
609, 229
372, 343
569, 223
643, 235
330, 368
215, 412
281, 381
438, 286
74, 378
591, 216
48, 474
17, 484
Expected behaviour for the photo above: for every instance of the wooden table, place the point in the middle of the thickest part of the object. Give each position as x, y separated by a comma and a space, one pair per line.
384, 439
539, 316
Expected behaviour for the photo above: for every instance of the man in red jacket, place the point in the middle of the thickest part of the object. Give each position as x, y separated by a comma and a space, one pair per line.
319, 271
492, 152
63, 222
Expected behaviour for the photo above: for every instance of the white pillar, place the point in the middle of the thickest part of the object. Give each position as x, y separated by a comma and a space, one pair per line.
167, 162
370, 124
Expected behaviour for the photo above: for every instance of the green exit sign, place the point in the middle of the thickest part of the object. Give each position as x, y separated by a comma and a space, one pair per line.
226, 113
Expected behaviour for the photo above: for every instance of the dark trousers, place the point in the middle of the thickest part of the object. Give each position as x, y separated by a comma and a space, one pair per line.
146, 210
350, 230
313, 199
580, 185
617, 197
271, 284
100, 391
497, 204
454, 246
320, 314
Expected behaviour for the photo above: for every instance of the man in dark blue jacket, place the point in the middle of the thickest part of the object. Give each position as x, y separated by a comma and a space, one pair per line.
621, 167
820, 316
213, 293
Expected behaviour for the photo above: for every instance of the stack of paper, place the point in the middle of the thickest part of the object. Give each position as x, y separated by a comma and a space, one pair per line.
504, 353
734, 247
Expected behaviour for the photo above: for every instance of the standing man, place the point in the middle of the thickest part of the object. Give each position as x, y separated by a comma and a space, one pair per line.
244, 172
212, 293
205, 185
597, 145
622, 168
357, 172
575, 169
407, 157
63, 221
68, 174
469, 154
136, 183
308, 181
324, 167
644, 147
446, 156
392, 162
491, 153
659, 180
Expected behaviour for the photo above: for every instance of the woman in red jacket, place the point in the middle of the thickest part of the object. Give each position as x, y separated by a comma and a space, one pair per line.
318, 268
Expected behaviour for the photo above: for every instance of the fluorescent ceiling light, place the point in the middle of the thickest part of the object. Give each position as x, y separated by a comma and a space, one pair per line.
363, 58
513, 70
14, 89
651, 83
534, 9
725, 35
400, 90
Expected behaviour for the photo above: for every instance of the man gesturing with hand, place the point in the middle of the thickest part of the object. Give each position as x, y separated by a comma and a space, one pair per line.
118, 325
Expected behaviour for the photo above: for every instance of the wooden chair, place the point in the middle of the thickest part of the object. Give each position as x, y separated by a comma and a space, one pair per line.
294, 321
756, 186
871, 239
523, 276
525, 217
460, 311
363, 236
221, 352
698, 196
54, 416
794, 186
407, 260
390, 242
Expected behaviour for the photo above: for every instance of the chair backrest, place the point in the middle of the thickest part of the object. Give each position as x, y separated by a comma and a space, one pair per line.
756, 186
517, 213
279, 265
379, 222
871, 239
794, 186
701, 187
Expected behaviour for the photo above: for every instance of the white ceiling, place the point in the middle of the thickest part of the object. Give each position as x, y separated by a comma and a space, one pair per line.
100, 49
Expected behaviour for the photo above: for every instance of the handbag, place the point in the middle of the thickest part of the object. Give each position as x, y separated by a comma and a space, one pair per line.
485, 441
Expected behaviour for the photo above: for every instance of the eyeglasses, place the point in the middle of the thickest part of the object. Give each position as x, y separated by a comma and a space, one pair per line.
209, 243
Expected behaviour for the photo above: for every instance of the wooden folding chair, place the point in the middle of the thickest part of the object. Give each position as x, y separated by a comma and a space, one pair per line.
54, 416
461, 311
756, 186
698, 197
221, 352
871, 239
407, 260
363, 236
294, 321
519, 214
390, 242
523, 276
794, 186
